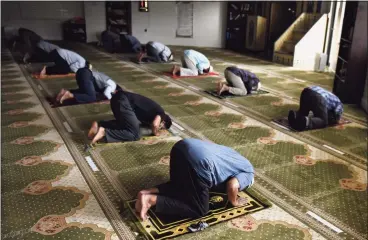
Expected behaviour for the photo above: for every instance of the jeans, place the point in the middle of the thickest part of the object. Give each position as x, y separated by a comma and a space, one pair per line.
86, 92
312, 101
61, 66
152, 54
185, 194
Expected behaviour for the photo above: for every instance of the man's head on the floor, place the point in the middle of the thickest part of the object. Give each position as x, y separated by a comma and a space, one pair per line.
208, 70
166, 122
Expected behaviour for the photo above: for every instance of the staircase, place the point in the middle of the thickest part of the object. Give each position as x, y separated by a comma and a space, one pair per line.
285, 46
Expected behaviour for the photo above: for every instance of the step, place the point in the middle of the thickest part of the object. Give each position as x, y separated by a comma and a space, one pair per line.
289, 46
284, 58
297, 35
284, 52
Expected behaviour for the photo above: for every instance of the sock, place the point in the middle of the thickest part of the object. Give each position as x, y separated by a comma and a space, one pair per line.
307, 121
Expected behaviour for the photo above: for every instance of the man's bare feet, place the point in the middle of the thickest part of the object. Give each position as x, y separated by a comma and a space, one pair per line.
43, 72
223, 88
60, 94
219, 87
232, 189
26, 58
147, 201
138, 203
93, 130
65, 96
175, 70
140, 56
99, 135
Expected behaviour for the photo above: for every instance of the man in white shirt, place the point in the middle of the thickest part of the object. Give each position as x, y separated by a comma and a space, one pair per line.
65, 62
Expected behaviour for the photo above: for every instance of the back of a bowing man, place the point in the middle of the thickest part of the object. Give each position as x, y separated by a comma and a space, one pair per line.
197, 166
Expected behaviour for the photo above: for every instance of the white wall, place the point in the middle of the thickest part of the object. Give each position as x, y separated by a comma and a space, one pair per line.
45, 18
209, 24
95, 15
306, 50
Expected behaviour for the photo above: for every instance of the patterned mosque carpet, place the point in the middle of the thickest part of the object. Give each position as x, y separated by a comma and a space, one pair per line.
308, 185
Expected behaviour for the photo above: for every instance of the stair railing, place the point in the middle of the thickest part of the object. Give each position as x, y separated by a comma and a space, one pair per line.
288, 32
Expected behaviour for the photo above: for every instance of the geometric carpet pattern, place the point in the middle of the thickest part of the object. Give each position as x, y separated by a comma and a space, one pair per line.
43, 193
295, 174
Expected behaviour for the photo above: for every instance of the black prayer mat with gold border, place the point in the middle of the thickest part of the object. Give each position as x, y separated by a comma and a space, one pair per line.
285, 123
229, 95
159, 226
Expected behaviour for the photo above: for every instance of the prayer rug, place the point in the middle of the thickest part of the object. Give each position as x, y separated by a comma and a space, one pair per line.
37, 76
199, 76
229, 95
146, 135
285, 123
159, 226
150, 62
71, 102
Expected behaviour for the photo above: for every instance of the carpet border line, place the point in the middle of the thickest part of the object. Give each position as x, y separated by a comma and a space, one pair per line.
121, 229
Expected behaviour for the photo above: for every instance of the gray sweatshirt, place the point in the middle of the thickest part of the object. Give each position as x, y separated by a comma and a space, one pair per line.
165, 52
74, 60
46, 46
104, 82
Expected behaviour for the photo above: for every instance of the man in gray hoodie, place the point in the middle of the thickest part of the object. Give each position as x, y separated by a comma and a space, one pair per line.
66, 61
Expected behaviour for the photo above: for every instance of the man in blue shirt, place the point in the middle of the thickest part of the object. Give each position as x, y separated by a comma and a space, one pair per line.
193, 64
197, 166
326, 107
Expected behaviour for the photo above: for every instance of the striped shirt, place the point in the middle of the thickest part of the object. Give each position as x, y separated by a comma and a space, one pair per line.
334, 104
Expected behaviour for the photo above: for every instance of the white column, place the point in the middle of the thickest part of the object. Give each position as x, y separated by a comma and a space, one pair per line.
335, 43
95, 15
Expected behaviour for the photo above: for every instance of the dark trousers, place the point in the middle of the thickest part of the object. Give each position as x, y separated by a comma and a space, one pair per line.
126, 125
86, 92
185, 194
110, 41
40, 55
130, 45
28, 40
312, 101
153, 55
61, 66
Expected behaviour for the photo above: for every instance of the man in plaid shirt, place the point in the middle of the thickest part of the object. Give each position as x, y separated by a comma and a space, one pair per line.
326, 107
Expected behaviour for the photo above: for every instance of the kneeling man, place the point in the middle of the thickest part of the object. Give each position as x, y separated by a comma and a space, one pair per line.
326, 107
197, 166
193, 64
130, 110
240, 82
